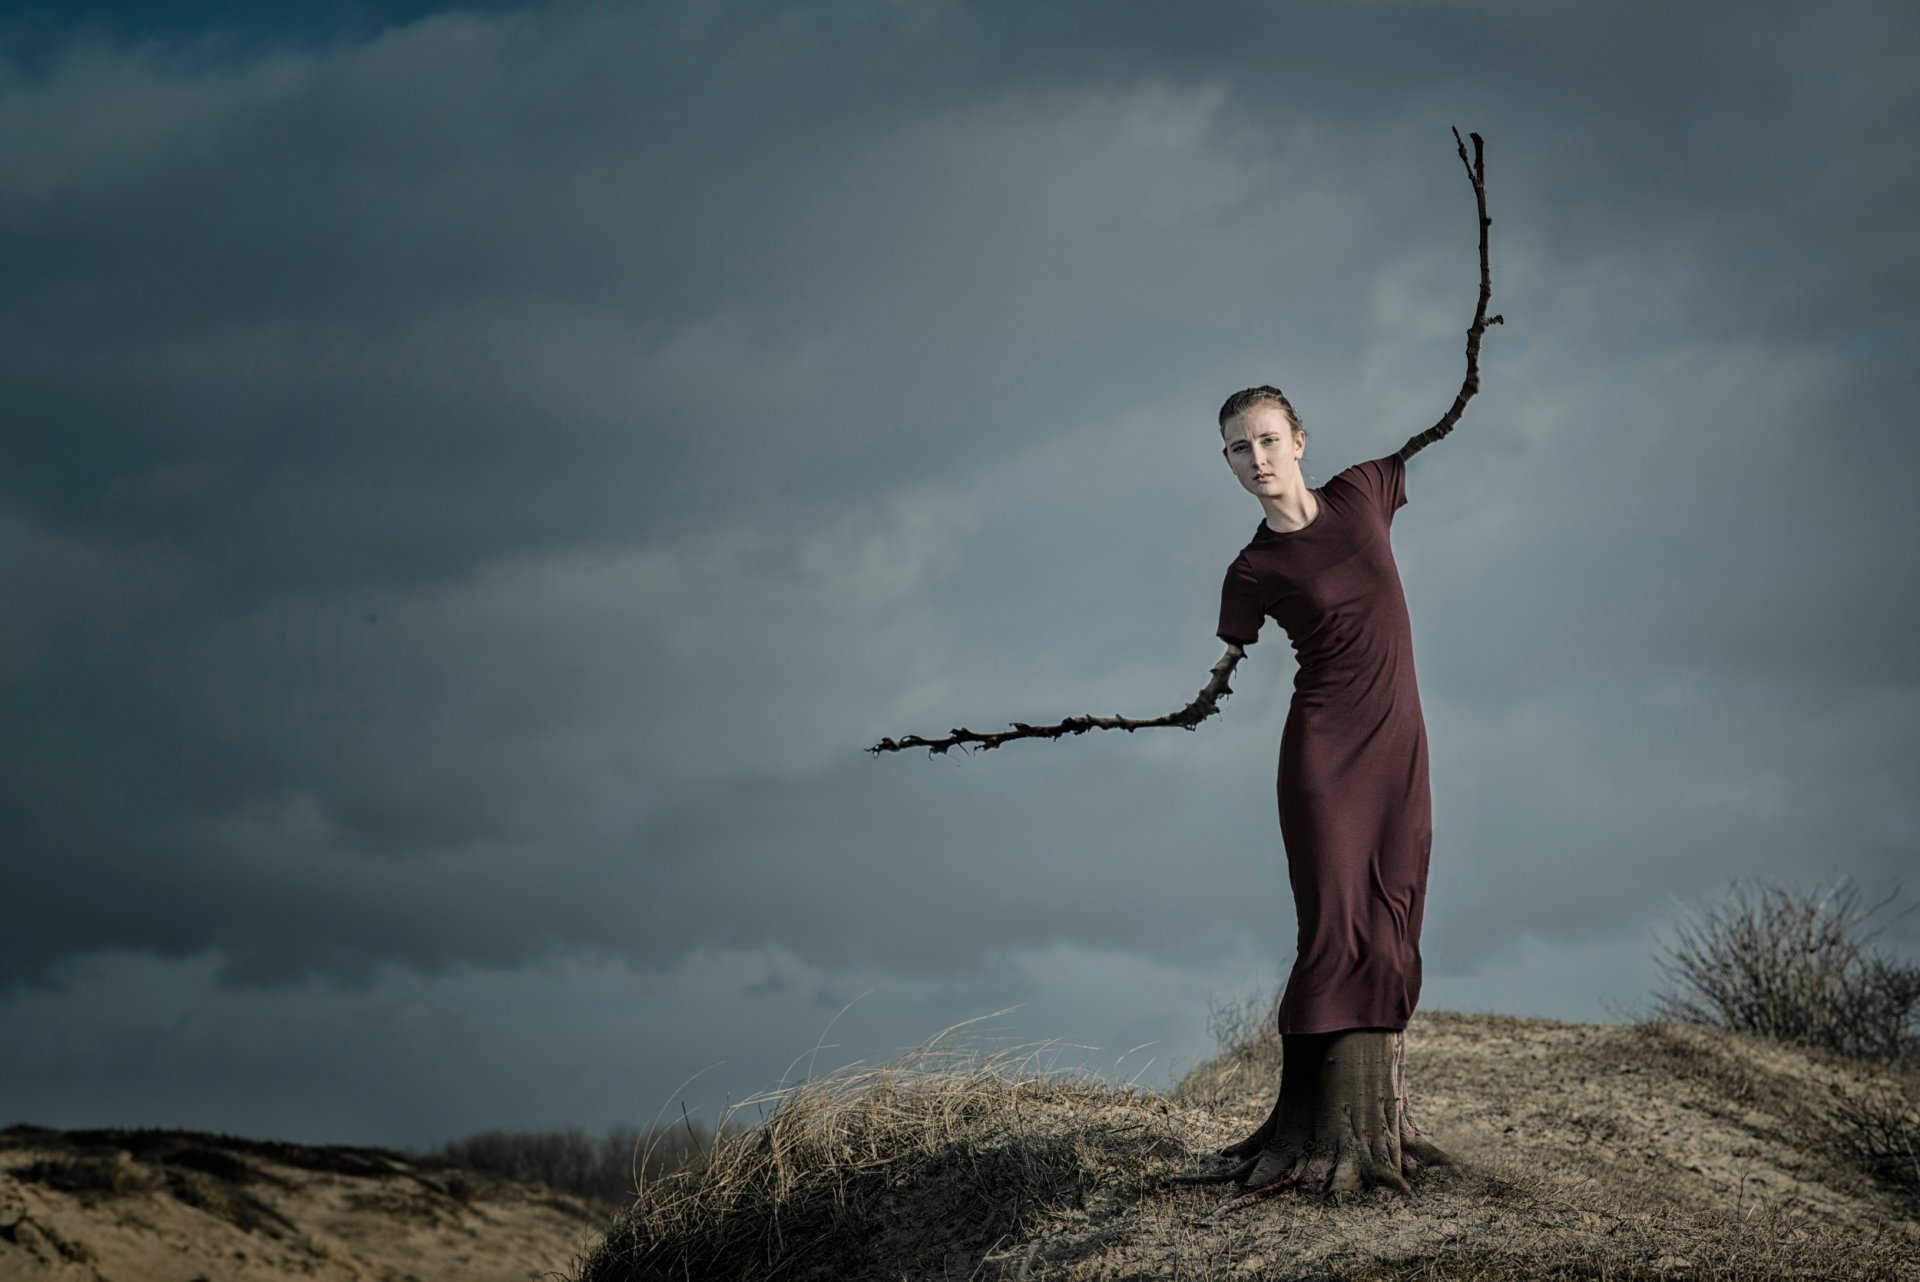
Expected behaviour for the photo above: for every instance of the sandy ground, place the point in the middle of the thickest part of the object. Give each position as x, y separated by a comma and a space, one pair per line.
1583, 1151
1654, 1151
156, 1206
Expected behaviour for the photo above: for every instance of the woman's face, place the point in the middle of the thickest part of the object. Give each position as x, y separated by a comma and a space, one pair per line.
1263, 449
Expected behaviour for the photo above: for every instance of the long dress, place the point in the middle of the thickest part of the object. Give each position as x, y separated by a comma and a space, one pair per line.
1356, 816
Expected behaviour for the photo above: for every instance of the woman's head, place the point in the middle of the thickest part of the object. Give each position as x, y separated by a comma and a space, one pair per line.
1262, 395
1262, 439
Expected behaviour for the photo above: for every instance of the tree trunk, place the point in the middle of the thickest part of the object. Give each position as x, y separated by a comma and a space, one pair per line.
1340, 1123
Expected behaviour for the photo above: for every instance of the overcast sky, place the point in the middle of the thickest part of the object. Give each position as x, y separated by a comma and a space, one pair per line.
473, 483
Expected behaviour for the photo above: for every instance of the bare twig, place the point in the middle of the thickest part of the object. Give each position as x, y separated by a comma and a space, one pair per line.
1477, 175
1207, 702
1204, 705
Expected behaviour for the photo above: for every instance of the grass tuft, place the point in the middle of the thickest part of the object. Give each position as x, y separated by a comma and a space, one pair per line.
929, 1162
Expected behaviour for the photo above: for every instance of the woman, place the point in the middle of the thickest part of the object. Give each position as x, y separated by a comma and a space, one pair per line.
1355, 813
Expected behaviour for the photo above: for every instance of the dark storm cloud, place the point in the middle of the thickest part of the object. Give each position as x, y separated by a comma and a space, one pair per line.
466, 496
492, 284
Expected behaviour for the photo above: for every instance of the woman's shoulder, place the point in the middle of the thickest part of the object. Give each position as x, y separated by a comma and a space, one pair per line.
1366, 472
1379, 482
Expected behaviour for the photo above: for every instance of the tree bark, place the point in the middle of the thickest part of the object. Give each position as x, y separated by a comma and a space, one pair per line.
1340, 1123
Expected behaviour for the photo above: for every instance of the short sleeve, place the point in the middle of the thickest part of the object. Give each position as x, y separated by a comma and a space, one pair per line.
1241, 609
1384, 482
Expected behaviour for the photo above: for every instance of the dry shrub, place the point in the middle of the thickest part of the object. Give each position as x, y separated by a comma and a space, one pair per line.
1878, 1131
1793, 965
937, 1157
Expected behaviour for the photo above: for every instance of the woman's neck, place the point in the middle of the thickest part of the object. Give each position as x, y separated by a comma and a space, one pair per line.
1289, 512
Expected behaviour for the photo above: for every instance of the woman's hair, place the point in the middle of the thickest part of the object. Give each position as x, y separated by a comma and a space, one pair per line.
1262, 395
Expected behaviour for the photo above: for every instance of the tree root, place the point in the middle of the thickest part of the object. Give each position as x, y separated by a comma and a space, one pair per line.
1251, 1146
1340, 1125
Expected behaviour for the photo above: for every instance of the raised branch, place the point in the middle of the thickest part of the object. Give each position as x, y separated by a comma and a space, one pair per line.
1204, 705
1207, 702
1477, 175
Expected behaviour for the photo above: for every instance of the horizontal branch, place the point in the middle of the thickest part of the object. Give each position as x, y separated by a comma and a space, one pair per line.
1204, 705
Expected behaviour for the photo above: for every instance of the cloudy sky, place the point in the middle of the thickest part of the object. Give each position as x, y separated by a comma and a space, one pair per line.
474, 481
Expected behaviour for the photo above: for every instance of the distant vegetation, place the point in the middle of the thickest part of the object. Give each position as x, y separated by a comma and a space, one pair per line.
606, 1170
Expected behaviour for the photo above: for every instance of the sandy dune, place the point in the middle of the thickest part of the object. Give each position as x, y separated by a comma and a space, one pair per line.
1584, 1151
171, 1206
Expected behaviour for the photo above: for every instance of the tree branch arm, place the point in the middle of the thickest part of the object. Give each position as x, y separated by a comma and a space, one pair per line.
1477, 175
1204, 705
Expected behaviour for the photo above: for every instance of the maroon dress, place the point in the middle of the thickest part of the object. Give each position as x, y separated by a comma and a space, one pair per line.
1355, 813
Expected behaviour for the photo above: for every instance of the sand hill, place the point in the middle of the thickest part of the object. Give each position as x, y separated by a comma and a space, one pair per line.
1586, 1151
173, 1206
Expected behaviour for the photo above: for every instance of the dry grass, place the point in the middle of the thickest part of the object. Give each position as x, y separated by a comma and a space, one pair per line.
1660, 1150
942, 1156
1765, 1127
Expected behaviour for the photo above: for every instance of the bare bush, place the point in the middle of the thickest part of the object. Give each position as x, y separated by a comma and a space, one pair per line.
1792, 965
1878, 1131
